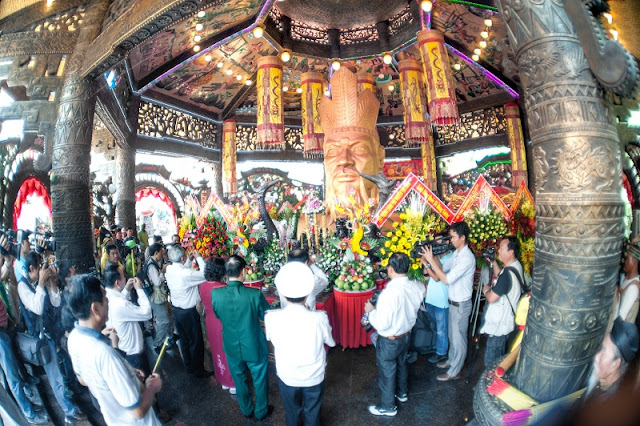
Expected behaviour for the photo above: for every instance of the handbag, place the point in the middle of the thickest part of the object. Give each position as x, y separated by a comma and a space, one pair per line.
34, 349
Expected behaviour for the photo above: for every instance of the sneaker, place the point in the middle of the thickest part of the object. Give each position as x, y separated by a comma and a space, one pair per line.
225, 387
402, 398
443, 364
232, 391
379, 411
446, 378
39, 418
412, 357
435, 358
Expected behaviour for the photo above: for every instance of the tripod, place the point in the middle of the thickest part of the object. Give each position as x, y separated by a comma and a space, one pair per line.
481, 278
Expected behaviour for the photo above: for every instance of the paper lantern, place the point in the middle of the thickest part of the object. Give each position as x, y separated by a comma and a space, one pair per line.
416, 128
429, 163
229, 180
441, 90
516, 143
270, 132
312, 134
365, 81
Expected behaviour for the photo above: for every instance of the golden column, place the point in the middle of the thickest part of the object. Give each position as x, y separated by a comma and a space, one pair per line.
270, 115
229, 179
516, 143
312, 92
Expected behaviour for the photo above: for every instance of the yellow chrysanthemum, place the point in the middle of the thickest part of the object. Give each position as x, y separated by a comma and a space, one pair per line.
384, 262
383, 251
387, 244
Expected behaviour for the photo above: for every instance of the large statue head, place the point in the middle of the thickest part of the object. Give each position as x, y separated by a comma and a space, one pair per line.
351, 142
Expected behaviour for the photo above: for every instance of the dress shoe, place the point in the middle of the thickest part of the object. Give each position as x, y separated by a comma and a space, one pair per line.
412, 357
443, 364
268, 413
446, 378
435, 358
379, 411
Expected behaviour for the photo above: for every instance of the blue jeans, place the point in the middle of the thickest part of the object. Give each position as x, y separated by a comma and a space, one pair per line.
393, 374
441, 317
9, 364
302, 405
496, 348
57, 384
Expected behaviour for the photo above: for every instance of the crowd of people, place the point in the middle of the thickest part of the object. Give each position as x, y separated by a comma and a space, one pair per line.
91, 328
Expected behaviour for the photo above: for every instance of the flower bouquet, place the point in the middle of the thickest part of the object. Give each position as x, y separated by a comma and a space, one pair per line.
524, 228
210, 239
330, 257
273, 260
485, 228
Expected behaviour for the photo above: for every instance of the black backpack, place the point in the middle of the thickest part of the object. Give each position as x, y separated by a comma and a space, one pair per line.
423, 334
143, 274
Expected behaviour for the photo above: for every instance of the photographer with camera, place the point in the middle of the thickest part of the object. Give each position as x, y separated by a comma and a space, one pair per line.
39, 295
20, 246
155, 269
393, 316
503, 298
457, 273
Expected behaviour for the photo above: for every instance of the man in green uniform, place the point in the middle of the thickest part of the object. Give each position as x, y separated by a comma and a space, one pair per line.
240, 310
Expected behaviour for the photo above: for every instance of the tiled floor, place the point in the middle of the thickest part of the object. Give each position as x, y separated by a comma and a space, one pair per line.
351, 385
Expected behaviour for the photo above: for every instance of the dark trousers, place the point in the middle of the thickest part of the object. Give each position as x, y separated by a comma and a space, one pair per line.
239, 370
191, 343
139, 361
393, 374
302, 405
496, 347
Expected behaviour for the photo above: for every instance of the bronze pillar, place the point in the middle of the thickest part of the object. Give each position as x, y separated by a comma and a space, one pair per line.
126, 186
577, 170
216, 180
70, 185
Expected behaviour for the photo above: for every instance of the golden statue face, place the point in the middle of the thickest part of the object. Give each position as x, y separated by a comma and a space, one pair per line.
346, 154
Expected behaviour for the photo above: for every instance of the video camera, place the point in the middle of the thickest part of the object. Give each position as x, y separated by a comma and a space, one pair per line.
365, 317
15, 239
45, 242
490, 254
440, 244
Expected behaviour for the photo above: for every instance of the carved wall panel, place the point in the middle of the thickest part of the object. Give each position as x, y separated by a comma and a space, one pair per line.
158, 122
246, 138
473, 125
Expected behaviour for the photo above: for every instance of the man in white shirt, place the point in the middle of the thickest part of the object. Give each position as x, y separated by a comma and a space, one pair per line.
320, 280
298, 336
124, 315
183, 285
124, 396
393, 317
457, 273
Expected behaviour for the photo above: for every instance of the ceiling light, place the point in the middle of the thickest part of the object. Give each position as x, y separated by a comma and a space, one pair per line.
248, 82
484, 34
220, 64
257, 32
208, 58
335, 65
229, 72
285, 88
50, 2
197, 38
387, 58
608, 17
483, 44
285, 56
238, 77
392, 136
477, 51
299, 90
426, 5
327, 93
381, 77
614, 33
201, 14
196, 48
199, 27
475, 57
392, 87
488, 22
457, 67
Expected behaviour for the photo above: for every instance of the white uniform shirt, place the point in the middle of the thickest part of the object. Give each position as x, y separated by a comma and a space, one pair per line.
397, 308
320, 282
183, 284
111, 380
460, 269
124, 317
298, 336
34, 302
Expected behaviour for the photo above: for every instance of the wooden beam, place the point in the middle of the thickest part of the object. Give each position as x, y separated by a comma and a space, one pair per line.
175, 148
171, 102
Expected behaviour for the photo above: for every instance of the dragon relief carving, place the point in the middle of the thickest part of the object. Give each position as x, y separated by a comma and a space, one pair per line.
581, 166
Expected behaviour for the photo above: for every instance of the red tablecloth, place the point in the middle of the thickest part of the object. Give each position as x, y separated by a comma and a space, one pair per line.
349, 307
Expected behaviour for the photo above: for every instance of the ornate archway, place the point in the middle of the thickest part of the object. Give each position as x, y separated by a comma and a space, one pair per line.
22, 169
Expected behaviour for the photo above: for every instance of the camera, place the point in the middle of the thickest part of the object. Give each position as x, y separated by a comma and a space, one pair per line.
365, 317
490, 254
440, 244
49, 242
14, 239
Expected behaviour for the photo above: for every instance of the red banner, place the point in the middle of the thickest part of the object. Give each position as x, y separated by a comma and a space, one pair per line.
482, 187
523, 191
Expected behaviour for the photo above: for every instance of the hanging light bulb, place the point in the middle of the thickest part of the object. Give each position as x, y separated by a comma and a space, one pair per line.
381, 77
196, 48
392, 87
285, 88
258, 32
229, 72
220, 64
207, 58
327, 93
426, 5
484, 34
248, 82
197, 39
387, 58
488, 22
477, 51
335, 65
285, 56
475, 57
299, 90
238, 77
457, 67
201, 14
483, 44
199, 27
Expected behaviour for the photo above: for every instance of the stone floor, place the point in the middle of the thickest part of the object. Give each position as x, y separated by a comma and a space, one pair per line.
351, 385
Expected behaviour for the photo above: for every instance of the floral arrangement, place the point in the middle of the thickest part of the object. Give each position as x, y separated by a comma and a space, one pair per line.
330, 257
313, 205
254, 267
523, 226
485, 228
274, 258
417, 223
210, 239
356, 274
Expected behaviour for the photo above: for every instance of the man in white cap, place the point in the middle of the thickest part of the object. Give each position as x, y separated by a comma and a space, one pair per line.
298, 336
